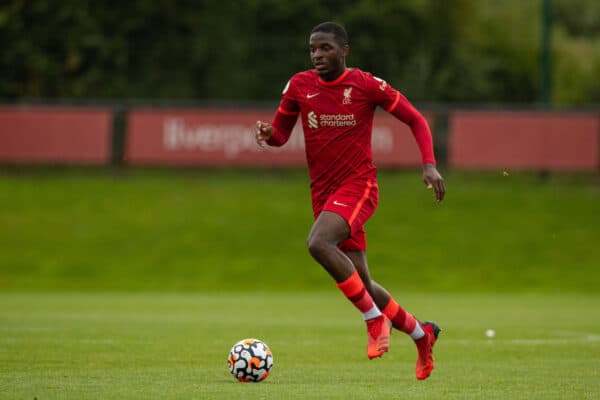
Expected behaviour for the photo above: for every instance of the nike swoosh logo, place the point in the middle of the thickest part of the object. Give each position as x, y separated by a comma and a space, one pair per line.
337, 203
310, 96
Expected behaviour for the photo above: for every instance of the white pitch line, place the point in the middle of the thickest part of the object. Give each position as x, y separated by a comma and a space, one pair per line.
524, 342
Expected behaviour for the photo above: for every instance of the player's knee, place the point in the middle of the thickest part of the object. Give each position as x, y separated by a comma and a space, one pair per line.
313, 246
316, 247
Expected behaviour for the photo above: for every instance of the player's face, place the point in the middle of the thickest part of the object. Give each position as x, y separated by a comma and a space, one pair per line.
327, 55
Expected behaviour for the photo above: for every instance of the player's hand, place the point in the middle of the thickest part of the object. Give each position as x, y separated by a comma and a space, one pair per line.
433, 180
262, 132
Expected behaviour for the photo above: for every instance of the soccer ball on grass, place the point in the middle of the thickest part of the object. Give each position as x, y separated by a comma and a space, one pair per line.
250, 360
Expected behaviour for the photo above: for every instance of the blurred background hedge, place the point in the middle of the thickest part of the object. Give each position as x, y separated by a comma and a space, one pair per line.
432, 50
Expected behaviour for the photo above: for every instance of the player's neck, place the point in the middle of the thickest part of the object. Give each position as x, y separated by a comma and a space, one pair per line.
333, 75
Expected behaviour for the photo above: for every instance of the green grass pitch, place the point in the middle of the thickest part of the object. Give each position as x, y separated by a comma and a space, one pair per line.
198, 230
174, 346
134, 284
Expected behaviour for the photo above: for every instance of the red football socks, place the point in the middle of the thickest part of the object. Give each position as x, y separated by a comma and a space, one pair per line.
401, 319
354, 289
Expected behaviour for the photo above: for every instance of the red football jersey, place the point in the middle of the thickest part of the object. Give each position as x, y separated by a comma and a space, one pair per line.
337, 118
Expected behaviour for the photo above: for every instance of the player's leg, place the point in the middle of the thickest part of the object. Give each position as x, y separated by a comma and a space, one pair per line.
401, 319
378, 292
424, 334
327, 232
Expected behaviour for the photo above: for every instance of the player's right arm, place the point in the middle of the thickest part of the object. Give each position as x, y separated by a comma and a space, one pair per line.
278, 132
263, 131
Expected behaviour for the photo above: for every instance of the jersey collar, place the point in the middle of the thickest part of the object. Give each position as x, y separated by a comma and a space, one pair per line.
336, 81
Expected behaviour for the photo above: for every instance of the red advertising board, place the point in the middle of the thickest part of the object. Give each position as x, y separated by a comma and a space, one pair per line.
224, 137
55, 135
525, 140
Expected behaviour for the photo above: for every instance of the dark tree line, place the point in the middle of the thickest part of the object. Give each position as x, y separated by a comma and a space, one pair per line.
432, 50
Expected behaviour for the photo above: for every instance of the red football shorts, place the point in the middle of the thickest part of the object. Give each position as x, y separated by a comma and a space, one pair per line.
355, 202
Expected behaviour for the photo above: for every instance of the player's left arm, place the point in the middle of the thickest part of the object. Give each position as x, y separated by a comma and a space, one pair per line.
398, 105
407, 113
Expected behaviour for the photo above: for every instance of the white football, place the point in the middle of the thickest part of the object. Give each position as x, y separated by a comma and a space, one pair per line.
250, 360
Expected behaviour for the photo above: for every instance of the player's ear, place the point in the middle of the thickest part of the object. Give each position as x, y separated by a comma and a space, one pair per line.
345, 50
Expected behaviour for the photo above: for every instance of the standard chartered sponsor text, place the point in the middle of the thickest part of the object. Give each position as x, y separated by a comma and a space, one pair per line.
337, 120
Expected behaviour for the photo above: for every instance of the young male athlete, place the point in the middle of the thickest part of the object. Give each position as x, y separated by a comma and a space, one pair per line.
336, 105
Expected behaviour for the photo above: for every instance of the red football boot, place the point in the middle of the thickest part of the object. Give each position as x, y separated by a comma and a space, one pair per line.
425, 350
378, 333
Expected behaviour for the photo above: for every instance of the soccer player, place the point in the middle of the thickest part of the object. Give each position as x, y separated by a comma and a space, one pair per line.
336, 105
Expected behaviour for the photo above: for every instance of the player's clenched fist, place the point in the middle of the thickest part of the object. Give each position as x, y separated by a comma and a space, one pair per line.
263, 132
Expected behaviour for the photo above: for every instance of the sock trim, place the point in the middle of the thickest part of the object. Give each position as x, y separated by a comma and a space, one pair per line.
418, 332
372, 313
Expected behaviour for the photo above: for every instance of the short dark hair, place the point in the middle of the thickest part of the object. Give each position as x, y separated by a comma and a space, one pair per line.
339, 33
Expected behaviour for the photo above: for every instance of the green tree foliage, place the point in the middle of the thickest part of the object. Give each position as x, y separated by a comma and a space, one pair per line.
497, 57
577, 52
432, 50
